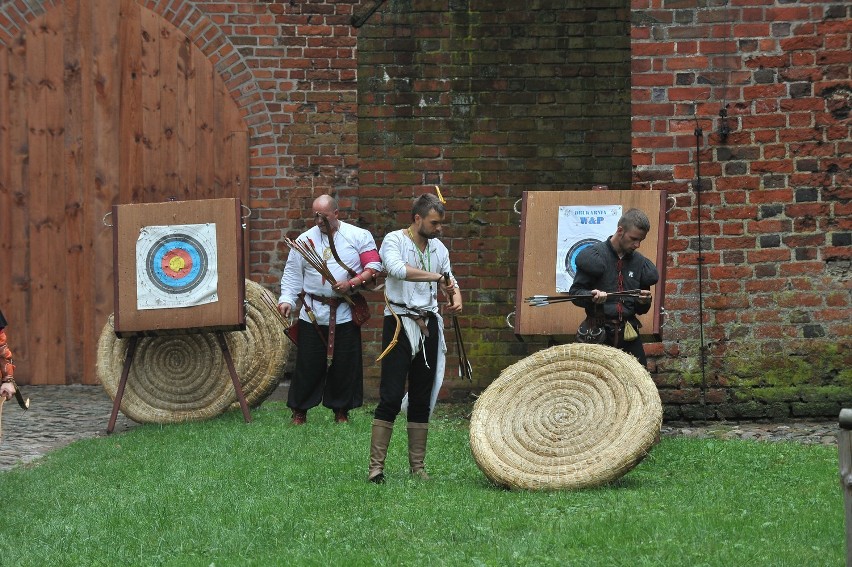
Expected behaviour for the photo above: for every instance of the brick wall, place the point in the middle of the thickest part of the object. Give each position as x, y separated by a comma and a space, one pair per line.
774, 247
300, 59
488, 100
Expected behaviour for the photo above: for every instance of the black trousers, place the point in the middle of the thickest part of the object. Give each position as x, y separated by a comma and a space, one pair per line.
634, 347
339, 386
398, 367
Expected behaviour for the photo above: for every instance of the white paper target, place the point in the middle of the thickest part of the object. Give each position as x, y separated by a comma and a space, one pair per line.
176, 266
578, 228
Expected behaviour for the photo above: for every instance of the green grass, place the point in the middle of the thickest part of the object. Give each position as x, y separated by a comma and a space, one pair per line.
227, 493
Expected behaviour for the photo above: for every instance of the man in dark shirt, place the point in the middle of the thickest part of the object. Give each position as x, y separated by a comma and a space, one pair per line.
615, 265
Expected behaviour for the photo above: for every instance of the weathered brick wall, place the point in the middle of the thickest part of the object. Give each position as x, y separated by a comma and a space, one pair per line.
488, 100
449, 92
297, 60
774, 249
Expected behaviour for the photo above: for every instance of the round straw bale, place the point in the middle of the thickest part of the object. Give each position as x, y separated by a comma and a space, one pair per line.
571, 416
262, 348
184, 377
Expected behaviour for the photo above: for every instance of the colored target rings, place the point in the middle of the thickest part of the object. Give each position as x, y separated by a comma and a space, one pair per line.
176, 266
177, 263
574, 251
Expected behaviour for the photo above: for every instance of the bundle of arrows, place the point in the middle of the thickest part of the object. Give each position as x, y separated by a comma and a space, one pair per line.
309, 252
465, 368
544, 300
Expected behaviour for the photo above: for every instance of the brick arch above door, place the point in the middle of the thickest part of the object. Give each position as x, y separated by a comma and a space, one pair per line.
103, 102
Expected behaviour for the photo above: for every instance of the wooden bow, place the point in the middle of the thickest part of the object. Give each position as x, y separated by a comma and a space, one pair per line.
373, 276
269, 301
325, 221
395, 338
23, 402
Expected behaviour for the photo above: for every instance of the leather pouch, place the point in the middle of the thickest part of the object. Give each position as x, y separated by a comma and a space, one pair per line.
361, 309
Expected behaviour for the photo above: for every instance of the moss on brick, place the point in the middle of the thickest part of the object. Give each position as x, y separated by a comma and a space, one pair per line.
805, 379
823, 365
794, 394
812, 409
769, 394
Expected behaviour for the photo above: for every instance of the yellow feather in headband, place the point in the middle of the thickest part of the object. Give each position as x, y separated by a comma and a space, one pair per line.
440, 197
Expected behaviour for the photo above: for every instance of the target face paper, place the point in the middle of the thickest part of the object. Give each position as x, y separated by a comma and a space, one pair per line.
578, 228
176, 266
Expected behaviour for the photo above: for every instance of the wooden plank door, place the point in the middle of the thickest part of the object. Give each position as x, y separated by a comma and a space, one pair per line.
102, 102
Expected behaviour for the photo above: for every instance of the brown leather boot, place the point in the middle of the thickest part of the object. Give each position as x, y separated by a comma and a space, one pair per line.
417, 433
379, 441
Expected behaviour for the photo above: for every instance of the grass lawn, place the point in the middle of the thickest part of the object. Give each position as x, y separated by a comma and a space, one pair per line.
225, 493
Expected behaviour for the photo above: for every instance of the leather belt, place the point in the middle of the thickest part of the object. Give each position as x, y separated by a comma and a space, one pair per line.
421, 317
333, 304
413, 312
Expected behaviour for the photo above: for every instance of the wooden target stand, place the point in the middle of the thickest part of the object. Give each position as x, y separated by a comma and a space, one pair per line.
540, 253
164, 258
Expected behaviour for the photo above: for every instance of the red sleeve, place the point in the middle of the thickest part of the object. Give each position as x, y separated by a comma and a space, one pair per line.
370, 256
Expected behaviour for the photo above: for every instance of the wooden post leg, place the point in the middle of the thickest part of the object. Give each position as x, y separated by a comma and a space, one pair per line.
237, 387
128, 360
844, 450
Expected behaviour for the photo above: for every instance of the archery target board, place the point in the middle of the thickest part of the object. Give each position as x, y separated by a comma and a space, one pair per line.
179, 265
555, 227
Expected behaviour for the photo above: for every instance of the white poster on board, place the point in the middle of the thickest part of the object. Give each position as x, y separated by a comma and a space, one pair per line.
176, 266
579, 227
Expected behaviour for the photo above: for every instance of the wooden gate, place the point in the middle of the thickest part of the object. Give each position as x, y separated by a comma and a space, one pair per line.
102, 102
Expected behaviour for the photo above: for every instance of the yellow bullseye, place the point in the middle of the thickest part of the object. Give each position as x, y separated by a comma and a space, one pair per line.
176, 263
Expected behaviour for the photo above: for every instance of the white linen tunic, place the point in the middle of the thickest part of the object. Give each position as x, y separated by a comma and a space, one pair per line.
350, 242
398, 250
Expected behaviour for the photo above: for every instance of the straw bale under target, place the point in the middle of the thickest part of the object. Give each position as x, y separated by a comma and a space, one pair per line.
184, 377
571, 416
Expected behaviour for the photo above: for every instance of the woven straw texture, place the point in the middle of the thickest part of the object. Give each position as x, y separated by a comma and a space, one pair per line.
262, 348
184, 377
571, 416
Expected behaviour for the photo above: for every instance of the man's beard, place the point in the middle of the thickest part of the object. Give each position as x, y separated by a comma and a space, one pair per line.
426, 235
619, 248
